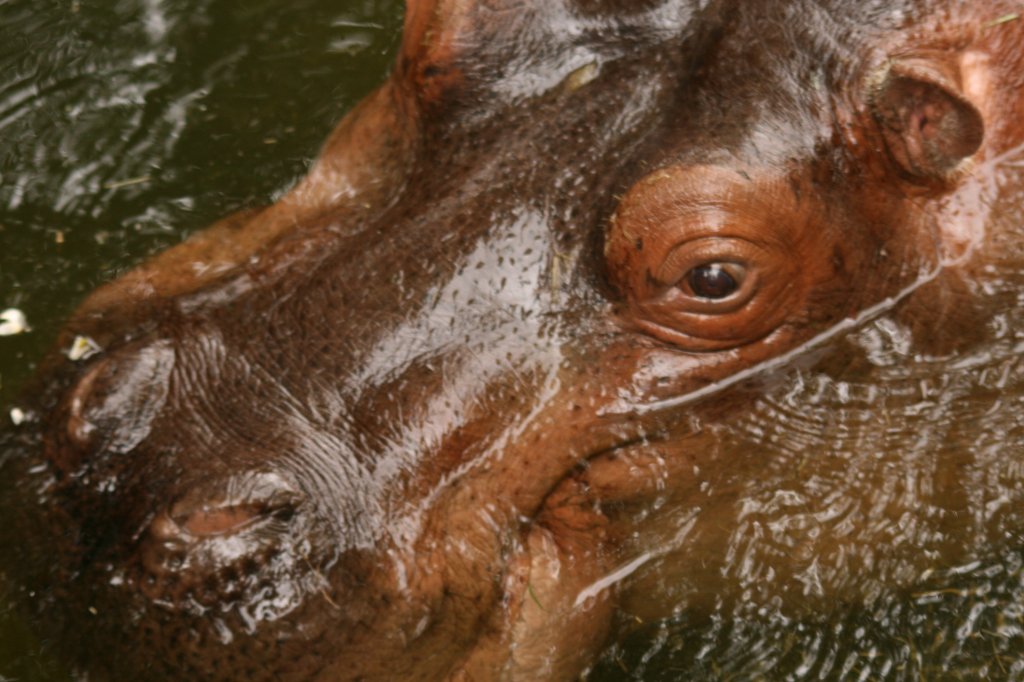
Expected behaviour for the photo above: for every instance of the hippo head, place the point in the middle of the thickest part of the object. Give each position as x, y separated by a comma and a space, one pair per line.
381, 429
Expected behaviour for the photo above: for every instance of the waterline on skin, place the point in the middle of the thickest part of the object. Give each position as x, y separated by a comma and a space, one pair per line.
618, 575
866, 315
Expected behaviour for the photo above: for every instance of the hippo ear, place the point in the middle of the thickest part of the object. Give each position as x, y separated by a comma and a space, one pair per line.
929, 125
440, 37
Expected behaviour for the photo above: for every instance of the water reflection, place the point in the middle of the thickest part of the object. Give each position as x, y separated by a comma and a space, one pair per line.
963, 623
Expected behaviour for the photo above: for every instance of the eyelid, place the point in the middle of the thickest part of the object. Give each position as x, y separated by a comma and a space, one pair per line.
665, 305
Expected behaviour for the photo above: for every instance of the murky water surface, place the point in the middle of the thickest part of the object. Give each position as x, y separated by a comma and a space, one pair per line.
126, 125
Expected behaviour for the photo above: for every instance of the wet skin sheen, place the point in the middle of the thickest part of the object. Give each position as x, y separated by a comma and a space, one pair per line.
457, 399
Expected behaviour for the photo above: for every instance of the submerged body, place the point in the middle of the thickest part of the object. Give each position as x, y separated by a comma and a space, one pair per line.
531, 347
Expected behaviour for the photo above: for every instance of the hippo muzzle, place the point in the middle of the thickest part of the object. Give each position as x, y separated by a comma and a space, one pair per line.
408, 422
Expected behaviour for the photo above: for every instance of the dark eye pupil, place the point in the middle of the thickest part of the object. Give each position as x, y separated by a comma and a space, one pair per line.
712, 281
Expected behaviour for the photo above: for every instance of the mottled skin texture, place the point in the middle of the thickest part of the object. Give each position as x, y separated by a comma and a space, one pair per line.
398, 425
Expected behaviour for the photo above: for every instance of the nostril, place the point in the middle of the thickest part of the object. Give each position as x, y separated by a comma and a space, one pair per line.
232, 506
114, 402
80, 431
219, 524
230, 518
221, 521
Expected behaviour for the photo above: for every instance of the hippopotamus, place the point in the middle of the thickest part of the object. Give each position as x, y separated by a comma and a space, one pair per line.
596, 311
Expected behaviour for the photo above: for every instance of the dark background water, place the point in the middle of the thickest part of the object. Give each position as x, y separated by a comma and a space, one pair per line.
127, 124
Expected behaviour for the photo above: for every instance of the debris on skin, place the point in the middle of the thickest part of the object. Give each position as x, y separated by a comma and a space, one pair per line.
82, 347
128, 183
581, 76
13, 321
1005, 19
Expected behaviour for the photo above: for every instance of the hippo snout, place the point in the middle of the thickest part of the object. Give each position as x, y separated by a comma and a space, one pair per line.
224, 540
110, 409
191, 532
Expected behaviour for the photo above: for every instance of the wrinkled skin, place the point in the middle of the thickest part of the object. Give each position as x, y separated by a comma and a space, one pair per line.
451, 404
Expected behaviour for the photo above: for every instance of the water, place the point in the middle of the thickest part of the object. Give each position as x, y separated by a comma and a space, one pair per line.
126, 125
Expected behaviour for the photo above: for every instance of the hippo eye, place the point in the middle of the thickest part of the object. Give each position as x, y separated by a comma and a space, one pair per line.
700, 257
716, 281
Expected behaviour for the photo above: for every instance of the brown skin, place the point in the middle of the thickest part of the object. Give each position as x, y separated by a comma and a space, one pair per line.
401, 424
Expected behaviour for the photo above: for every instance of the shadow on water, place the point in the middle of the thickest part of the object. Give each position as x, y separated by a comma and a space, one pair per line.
124, 126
